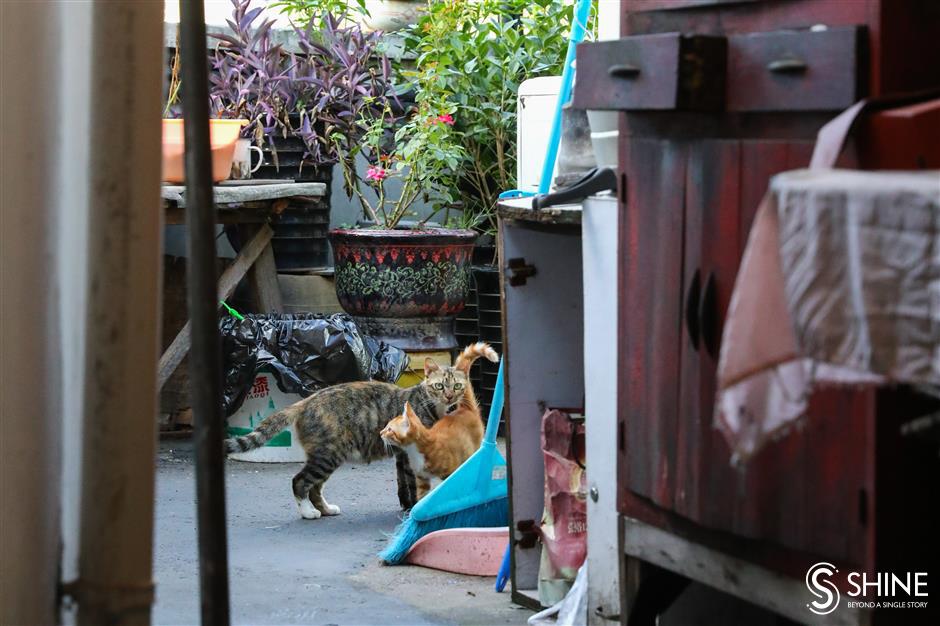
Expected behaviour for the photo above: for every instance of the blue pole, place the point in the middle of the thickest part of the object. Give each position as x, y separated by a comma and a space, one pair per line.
581, 14
496, 407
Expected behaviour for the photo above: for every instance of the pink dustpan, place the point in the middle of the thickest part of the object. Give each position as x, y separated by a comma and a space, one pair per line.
474, 551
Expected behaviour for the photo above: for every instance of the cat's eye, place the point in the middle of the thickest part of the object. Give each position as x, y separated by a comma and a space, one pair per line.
438, 385
458, 385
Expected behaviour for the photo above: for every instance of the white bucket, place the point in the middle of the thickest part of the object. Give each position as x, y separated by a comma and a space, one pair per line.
604, 136
264, 399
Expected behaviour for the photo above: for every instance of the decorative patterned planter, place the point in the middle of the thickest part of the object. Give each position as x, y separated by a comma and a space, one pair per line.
404, 286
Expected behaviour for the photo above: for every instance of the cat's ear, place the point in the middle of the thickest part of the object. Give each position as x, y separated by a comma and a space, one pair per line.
410, 412
430, 366
406, 422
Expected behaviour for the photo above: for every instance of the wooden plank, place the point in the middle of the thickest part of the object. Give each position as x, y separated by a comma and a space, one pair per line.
246, 193
521, 210
230, 278
262, 277
247, 213
781, 594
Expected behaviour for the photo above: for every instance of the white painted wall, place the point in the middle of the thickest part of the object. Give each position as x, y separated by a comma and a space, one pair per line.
217, 11
74, 77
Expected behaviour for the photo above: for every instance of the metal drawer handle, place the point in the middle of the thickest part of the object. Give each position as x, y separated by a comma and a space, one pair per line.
624, 70
787, 65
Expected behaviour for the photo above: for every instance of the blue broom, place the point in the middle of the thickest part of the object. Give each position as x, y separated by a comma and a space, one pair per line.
475, 495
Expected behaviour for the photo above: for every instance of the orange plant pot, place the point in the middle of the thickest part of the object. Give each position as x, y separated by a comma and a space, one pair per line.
222, 136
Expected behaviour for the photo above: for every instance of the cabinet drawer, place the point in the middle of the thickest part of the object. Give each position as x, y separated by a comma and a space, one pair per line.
795, 70
652, 73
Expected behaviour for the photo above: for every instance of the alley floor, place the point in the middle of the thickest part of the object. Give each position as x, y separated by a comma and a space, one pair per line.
287, 570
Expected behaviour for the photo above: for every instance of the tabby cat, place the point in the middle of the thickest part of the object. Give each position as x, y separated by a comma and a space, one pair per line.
340, 421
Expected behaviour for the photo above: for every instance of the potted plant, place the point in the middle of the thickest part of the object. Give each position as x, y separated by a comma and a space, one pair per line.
403, 282
475, 55
290, 99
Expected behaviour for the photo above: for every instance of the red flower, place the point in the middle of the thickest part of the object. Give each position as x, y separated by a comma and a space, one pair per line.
446, 118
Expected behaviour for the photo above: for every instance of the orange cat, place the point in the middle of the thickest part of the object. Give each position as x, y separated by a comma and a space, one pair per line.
435, 452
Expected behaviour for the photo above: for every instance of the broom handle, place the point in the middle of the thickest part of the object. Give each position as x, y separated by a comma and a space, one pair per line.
579, 20
496, 408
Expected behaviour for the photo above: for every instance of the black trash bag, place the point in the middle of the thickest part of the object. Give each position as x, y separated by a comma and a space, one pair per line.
304, 352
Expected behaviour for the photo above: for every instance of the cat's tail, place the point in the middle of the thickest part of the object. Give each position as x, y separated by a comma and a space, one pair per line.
473, 352
265, 431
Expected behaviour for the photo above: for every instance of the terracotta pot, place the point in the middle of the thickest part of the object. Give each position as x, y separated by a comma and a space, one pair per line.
222, 136
404, 286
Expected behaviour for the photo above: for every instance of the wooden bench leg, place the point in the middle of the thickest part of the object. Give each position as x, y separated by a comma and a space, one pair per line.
262, 276
250, 253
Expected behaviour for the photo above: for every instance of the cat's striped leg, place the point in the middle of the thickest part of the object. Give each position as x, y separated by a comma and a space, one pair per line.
406, 481
320, 503
302, 484
424, 486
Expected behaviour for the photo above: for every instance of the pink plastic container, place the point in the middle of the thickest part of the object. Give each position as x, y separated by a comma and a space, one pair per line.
473, 551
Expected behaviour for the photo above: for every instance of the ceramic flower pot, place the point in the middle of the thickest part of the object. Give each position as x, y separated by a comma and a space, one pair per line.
404, 286
223, 134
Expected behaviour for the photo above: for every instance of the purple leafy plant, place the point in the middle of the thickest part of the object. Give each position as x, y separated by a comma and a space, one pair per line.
342, 73
317, 95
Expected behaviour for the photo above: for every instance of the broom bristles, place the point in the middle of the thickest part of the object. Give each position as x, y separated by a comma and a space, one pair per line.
489, 514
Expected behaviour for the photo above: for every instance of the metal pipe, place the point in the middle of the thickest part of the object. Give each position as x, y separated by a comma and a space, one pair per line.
205, 367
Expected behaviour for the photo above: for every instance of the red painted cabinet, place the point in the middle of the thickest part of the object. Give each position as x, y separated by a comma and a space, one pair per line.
695, 167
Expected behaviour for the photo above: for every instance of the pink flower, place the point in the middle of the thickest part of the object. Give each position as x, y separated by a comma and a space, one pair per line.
377, 174
447, 118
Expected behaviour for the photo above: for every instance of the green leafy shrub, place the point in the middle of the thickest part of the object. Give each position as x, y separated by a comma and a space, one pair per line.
475, 54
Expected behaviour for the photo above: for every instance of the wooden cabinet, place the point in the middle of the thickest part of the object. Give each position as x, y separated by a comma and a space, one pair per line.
694, 178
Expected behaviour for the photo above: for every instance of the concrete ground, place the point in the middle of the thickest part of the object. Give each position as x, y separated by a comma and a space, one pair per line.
287, 570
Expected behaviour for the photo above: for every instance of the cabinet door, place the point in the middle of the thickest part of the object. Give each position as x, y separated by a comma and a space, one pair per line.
650, 279
805, 490
710, 260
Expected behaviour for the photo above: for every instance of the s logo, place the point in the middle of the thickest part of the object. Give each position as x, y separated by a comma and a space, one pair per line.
825, 591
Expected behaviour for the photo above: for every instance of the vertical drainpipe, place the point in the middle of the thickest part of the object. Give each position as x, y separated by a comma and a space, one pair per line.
117, 508
205, 356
